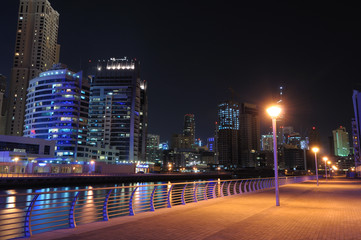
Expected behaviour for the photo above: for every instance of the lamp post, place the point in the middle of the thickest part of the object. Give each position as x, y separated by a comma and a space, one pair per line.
315, 150
274, 112
325, 159
329, 169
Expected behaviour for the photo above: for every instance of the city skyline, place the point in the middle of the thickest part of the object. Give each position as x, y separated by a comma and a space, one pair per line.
192, 55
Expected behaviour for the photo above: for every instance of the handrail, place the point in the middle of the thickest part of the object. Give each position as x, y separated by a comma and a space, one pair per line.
103, 204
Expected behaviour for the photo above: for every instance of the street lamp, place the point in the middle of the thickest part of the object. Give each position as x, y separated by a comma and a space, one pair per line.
325, 159
315, 150
274, 112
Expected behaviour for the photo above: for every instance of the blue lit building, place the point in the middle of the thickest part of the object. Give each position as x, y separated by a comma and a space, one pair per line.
118, 108
228, 134
211, 144
356, 129
57, 109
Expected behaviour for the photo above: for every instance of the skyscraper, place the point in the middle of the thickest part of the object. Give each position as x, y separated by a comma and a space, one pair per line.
189, 127
153, 150
118, 107
356, 129
2, 104
57, 109
36, 50
341, 142
228, 134
250, 134
314, 137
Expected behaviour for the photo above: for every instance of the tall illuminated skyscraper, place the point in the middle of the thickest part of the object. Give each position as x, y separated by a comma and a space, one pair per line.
118, 108
2, 104
36, 50
341, 142
57, 109
189, 127
356, 129
228, 134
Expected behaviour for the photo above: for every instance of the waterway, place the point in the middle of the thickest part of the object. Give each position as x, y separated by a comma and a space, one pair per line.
51, 211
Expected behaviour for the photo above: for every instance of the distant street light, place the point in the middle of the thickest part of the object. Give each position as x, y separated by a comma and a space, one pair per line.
325, 159
315, 150
274, 112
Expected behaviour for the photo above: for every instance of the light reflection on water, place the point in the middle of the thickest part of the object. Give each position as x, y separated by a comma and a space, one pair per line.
54, 208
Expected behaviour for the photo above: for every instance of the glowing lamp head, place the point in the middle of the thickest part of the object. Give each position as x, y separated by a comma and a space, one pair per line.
92, 162
315, 149
325, 159
274, 111
334, 167
328, 162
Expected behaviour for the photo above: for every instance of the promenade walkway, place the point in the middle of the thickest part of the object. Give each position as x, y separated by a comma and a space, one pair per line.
330, 211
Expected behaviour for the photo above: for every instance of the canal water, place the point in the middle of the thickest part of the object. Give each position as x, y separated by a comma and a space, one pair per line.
51, 211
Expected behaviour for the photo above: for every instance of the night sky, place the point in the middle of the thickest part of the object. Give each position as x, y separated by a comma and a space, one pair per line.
192, 53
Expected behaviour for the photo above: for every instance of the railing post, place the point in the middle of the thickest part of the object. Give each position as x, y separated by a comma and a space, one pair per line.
235, 188
72, 223
183, 200
229, 188
27, 223
105, 206
240, 187
245, 186
152, 200
169, 204
214, 190
205, 192
250, 185
195, 193
260, 183
222, 195
131, 210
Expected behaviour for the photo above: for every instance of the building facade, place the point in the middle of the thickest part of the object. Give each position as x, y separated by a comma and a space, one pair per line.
341, 142
57, 109
189, 127
118, 107
36, 50
250, 134
153, 150
228, 134
3, 102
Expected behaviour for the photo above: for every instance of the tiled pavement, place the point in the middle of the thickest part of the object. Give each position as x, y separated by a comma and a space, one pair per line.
330, 211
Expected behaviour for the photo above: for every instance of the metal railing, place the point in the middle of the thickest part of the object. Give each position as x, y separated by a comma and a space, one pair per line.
22, 215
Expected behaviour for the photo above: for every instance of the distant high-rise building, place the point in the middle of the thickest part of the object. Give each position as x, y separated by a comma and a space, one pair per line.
57, 109
267, 142
153, 151
189, 127
341, 142
118, 107
36, 50
228, 134
356, 131
355, 141
181, 142
250, 134
211, 144
2, 104
314, 137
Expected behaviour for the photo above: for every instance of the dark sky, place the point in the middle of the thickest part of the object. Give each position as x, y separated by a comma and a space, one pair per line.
192, 52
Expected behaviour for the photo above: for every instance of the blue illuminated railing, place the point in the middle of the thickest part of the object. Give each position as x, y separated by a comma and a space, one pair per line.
22, 215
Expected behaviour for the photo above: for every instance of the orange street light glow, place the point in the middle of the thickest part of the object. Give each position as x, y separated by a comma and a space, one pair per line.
274, 111
315, 149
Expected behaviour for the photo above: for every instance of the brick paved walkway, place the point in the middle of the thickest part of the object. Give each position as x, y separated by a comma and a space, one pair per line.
330, 211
